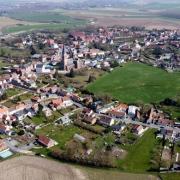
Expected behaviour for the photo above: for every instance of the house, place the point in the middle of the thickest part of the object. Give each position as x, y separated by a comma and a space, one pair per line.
65, 120
132, 111
105, 108
47, 112
106, 121
165, 122
43, 69
138, 129
117, 129
121, 108
18, 107
20, 115
2, 145
57, 103
91, 119
67, 102
45, 141
87, 111
116, 114
3, 111
4, 129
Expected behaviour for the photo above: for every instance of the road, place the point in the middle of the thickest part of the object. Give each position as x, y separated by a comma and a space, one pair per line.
22, 150
130, 121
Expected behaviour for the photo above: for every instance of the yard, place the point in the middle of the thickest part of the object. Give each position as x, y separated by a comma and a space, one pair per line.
139, 154
136, 82
13, 92
60, 134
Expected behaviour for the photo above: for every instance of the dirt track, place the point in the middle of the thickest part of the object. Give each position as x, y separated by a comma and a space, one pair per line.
34, 168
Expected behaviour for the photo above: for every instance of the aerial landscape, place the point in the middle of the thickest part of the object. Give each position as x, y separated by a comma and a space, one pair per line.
90, 90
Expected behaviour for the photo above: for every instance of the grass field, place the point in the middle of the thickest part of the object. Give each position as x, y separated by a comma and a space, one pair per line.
42, 20
44, 17
170, 176
125, 16
6, 21
139, 154
50, 26
135, 82
60, 134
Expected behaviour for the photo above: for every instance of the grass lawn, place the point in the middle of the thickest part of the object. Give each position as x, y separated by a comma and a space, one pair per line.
139, 154
173, 111
136, 82
170, 176
12, 92
43, 20
60, 134
109, 174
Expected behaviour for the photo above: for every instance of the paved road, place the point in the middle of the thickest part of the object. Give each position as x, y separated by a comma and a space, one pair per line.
130, 121
22, 150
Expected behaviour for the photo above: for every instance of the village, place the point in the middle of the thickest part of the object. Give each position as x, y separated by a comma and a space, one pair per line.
44, 112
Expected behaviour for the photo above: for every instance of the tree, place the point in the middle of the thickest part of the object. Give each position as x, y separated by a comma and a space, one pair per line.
106, 98
157, 51
21, 132
2, 52
72, 73
4, 96
33, 51
114, 64
41, 45
15, 123
91, 78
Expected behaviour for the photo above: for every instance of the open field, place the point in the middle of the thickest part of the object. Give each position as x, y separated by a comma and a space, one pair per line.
170, 176
139, 154
34, 168
125, 17
42, 20
40, 26
8, 22
136, 82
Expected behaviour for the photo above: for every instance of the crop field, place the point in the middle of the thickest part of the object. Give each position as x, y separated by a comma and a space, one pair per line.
26, 28
125, 17
44, 17
40, 21
35, 168
7, 22
137, 83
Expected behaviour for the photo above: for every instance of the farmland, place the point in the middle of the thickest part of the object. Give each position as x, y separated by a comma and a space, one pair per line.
41, 21
135, 82
126, 17
8, 22
34, 168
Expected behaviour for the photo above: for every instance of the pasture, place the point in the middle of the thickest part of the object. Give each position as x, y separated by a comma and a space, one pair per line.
137, 83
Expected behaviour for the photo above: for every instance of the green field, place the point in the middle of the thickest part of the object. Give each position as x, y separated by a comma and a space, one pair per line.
44, 17
137, 83
44, 20
60, 134
170, 176
139, 154
50, 26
